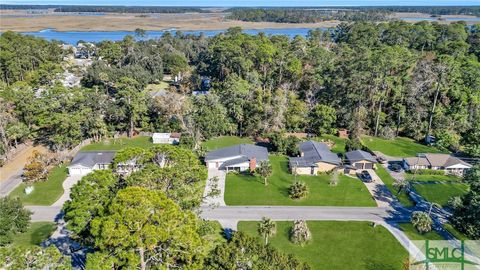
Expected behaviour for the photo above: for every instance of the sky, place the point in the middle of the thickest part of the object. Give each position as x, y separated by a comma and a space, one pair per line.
229, 3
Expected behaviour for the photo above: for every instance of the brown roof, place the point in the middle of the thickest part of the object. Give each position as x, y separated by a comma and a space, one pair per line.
443, 160
175, 135
420, 161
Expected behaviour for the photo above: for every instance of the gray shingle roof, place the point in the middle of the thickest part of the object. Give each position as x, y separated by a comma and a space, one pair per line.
234, 161
89, 159
357, 155
314, 152
243, 150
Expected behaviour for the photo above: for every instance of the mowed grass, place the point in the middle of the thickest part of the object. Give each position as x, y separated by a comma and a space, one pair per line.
35, 234
340, 143
44, 193
388, 180
224, 141
442, 192
413, 234
399, 147
457, 234
339, 245
119, 144
426, 178
244, 189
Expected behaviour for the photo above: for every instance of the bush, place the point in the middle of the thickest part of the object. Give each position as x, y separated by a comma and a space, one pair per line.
298, 190
300, 234
428, 172
353, 144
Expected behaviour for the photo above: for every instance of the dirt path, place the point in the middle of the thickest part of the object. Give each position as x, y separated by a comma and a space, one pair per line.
15, 165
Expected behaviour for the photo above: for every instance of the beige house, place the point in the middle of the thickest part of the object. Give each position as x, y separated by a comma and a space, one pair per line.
360, 160
315, 157
448, 163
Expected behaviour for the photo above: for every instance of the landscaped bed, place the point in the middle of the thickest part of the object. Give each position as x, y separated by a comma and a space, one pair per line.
245, 189
224, 141
399, 147
119, 144
35, 234
388, 180
339, 245
44, 193
440, 193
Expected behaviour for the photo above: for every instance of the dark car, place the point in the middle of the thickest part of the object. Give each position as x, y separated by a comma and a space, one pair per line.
382, 160
396, 167
365, 176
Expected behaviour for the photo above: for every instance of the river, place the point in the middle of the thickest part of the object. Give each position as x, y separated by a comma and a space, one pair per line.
72, 37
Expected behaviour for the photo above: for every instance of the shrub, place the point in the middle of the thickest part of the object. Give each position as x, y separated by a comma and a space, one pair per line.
421, 221
428, 172
300, 234
298, 190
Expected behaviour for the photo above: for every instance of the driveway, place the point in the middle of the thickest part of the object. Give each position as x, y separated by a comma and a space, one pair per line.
379, 191
214, 190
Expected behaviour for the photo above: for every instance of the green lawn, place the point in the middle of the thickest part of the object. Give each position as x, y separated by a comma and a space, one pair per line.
454, 232
388, 181
339, 245
399, 147
339, 146
118, 144
441, 193
242, 189
44, 193
35, 234
224, 141
413, 234
426, 177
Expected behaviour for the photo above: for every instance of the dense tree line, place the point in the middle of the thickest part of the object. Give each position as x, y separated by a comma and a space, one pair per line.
298, 15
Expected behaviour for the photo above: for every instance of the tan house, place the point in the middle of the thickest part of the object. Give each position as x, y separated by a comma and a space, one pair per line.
360, 160
315, 157
448, 163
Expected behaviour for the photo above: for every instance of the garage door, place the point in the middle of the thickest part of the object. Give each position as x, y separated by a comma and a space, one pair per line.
359, 166
78, 171
213, 165
368, 166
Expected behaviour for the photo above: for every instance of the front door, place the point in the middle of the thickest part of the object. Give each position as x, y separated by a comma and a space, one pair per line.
312, 170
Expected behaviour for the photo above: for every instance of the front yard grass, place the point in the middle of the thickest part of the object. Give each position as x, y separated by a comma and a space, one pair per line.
35, 234
426, 178
245, 189
399, 147
413, 234
44, 193
457, 234
339, 146
119, 144
351, 245
442, 192
388, 180
224, 141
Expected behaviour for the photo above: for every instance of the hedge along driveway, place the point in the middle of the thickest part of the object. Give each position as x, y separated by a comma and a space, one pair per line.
243, 189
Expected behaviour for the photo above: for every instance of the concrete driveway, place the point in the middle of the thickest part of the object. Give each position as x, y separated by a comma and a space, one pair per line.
213, 186
379, 191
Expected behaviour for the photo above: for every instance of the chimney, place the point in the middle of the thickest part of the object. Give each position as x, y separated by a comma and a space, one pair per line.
253, 164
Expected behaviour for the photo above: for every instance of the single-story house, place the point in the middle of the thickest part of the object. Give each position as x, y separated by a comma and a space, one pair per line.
239, 157
166, 138
448, 163
360, 159
314, 157
86, 162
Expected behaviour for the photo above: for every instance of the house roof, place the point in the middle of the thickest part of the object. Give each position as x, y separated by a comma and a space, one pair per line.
444, 160
240, 150
435, 160
234, 161
358, 155
89, 159
161, 135
314, 152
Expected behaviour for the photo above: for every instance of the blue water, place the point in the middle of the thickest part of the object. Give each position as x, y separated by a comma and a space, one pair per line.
72, 37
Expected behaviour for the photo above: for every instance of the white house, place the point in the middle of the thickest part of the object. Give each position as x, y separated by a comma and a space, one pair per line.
239, 157
166, 138
86, 162
448, 163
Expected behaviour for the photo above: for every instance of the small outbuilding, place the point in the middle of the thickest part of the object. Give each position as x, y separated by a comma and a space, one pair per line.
360, 159
86, 162
166, 138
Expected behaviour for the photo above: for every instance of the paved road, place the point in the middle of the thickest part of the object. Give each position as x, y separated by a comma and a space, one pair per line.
10, 184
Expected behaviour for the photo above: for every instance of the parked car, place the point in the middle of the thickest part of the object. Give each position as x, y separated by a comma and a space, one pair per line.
395, 167
365, 176
382, 160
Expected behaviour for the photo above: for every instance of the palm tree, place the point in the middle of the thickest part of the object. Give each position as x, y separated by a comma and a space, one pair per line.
421, 221
298, 190
265, 170
401, 184
267, 228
